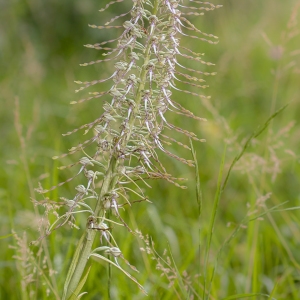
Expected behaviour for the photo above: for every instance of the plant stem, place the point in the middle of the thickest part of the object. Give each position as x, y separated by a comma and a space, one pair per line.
90, 234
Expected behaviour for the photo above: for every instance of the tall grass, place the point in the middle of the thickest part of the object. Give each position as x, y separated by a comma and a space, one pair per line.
257, 73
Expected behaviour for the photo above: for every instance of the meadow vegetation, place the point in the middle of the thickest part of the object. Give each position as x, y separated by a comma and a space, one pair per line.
255, 237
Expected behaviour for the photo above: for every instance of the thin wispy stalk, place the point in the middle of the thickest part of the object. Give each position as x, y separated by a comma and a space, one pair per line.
220, 190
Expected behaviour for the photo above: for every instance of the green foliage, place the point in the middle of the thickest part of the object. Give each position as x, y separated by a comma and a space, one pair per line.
257, 61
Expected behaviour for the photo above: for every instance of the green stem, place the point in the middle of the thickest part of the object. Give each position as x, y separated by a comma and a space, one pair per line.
90, 234
109, 183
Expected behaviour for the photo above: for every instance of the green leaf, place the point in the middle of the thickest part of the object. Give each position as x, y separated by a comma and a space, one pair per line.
212, 223
198, 186
5, 236
98, 256
75, 295
73, 266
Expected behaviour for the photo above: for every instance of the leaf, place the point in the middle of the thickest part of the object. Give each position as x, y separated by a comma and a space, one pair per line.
198, 187
5, 236
126, 273
73, 266
212, 223
79, 296
75, 296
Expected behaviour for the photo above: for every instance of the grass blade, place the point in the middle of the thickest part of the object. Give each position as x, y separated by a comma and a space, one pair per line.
212, 222
73, 266
75, 296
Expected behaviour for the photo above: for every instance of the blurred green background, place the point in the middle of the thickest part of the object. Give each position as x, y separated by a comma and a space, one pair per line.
258, 66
